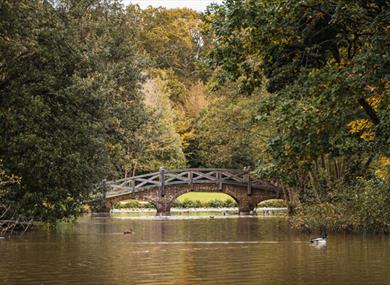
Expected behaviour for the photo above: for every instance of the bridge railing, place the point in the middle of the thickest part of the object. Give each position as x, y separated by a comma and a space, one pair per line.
189, 176
180, 176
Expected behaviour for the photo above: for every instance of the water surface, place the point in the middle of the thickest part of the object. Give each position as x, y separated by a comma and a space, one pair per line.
188, 249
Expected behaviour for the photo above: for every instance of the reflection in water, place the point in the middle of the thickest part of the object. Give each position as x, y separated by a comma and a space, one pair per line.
190, 251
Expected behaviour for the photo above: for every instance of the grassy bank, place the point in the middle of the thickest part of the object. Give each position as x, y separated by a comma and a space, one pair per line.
204, 197
199, 200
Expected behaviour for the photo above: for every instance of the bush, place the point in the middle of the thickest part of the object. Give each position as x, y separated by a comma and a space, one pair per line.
368, 209
147, 206
230, 203
273, 203
216, 204
177, 204
133, 204
187, 203
363, 206
198, 204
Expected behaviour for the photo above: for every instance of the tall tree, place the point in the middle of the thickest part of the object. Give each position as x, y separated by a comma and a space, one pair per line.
326, 64
170, 41
227, 134
171, 37
68, 96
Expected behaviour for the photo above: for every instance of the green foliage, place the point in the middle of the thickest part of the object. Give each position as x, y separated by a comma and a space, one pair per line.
227, 133
171, 38
273, 203
170, 43
361, 207
326, 66
367, 205
230, 204
165, 146
214, 203
204, 196
190, 204
69, 101
89, 90
133, 204
186, 204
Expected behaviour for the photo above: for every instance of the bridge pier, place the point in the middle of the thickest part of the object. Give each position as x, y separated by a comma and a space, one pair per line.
163, 208
246, 207
107, 206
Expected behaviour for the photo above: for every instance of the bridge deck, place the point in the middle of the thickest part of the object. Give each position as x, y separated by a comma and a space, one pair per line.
190, 176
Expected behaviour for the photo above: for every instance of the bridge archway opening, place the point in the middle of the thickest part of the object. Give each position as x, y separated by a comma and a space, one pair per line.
205, 200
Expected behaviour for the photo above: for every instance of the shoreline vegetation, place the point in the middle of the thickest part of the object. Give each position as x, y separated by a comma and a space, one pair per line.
297, 91
200, 200
266, 211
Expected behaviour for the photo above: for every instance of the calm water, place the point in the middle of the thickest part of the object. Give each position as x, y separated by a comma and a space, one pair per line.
190, 250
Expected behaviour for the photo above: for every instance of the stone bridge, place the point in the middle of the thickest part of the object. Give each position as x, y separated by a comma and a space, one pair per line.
163, 187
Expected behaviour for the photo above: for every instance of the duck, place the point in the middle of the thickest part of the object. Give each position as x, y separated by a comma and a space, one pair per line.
320, 241
129, 232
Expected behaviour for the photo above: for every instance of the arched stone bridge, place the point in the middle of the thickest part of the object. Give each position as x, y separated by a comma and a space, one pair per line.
163, 187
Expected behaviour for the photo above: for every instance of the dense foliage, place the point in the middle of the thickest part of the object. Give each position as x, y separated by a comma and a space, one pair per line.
67, 75
186, 204
326, 66
72, 109
227, 134
296, 90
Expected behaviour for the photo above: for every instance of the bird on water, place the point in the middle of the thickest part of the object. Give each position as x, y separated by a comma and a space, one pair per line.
129, 232
320, 241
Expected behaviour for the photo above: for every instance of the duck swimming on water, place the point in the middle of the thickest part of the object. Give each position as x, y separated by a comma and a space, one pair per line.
320, 241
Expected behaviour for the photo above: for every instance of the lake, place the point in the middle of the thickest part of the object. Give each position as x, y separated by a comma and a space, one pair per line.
188, 249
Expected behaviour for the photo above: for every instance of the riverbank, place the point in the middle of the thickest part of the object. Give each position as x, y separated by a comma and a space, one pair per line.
264, 210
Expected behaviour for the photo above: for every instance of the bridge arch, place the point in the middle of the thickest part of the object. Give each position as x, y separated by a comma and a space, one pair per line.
202, 188
222, 197
162, 188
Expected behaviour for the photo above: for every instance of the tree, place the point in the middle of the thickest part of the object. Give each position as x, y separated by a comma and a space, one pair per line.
171, 44
326, 65
227, 134
171, 38
162, 143
68, 99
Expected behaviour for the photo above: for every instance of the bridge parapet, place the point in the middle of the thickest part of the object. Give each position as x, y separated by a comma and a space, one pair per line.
190, 176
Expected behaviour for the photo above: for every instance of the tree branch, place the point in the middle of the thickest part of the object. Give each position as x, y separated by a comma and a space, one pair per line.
369, 111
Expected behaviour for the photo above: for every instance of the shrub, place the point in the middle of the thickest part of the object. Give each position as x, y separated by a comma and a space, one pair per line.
147, 206
230, 203
359, 207
187, 203
216, 204
133, 204
199, 204
177, 204
273, 203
